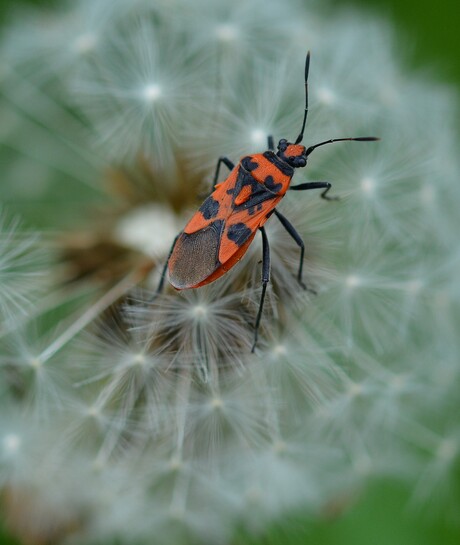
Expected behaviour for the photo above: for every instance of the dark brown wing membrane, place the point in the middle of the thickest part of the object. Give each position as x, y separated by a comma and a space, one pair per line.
195, 256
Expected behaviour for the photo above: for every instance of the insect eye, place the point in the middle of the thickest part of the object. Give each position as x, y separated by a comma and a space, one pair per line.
299, 161
282, 144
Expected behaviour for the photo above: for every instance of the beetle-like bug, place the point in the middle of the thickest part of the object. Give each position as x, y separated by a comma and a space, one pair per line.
220, 232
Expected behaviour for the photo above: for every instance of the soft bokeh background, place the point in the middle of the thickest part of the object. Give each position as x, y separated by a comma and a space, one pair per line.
381, 515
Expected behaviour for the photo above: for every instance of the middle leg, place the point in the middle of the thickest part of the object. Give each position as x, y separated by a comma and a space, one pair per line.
265, 281
316, 185
227, 163
295, 235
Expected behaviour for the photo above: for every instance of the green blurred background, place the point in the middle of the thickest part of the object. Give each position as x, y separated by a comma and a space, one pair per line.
382, 514
430, 30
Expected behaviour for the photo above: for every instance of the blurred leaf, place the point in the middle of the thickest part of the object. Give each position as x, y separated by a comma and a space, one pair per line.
381, 517
5, 539
432, 31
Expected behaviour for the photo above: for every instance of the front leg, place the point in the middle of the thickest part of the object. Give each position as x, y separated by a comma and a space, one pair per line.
227, 163
295, 235
315, 185
265, 281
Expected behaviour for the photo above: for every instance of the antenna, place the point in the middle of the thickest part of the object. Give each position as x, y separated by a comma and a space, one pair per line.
307, 67
357, 139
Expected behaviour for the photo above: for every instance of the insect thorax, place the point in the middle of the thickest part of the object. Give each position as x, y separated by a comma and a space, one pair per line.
269, 170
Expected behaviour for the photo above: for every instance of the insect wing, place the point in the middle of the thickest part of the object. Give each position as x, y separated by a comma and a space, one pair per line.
196, 253
219, 233
241, 226
195, 256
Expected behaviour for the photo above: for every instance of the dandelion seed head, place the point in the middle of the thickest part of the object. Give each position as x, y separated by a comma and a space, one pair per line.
177, 514
140, 403
94, 412
441, 299
398, 382
98, 466
22, 275
355, 389
152, 92
353, 281
36, 363
414, 286
227, 32
149, 228
85, 43
326, 96
279, 447
447, 450
280, 350
259, 137
176, 464
202, 323
199, 312
139, 359
11, 443
368, 185
217, 403
427, 195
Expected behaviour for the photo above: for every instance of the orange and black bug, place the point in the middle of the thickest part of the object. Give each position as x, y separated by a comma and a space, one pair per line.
220, 232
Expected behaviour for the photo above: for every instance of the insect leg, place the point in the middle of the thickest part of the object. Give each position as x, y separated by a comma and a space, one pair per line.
227, 163
165, 267
271, 144
316, 185
295, 235
265, 281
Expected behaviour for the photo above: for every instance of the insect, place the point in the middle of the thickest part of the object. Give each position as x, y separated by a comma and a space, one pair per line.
220, 232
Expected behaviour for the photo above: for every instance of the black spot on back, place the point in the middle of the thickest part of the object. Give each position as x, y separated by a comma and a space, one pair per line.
280, 165
209, 208
244, 178
270, 184
239, 233
248, 165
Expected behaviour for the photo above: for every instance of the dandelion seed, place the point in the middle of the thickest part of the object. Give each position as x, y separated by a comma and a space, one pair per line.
85, 43
11, 444
199, 312
94, 412
427, 195
447, 450
227, 32
368, 185
355, 390
279, 350
398, 383
36, 363
414, 286
152, 93
259, 137
353, 281
142, 85
326, 96
21, 272
203, 326
149, 228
